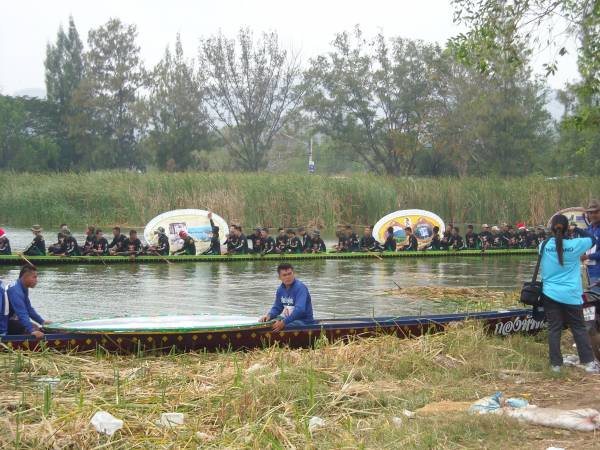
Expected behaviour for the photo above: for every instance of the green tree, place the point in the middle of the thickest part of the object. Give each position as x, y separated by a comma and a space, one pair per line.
25, 141
108, 120
376, 99
64, 70
178, 121
252, 90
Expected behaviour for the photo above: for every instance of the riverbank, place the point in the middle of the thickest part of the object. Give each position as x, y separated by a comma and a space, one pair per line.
132, 199
266, 398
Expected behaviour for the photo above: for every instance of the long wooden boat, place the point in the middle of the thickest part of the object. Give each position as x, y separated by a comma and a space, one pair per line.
182, 338
58, 260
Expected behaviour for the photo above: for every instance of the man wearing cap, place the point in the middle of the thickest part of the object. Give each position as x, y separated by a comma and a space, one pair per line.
38, 245
162, 247
592, 257
4, 243
485, 237
318, 245
188, 247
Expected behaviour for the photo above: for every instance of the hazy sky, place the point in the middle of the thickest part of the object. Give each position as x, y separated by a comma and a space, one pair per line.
309, 26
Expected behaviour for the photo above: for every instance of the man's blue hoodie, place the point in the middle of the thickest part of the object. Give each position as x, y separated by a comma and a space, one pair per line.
296, 300
20, 305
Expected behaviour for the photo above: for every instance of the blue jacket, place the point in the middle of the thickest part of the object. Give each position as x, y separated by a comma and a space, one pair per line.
594, 256
4, 310
20, 305
296, 300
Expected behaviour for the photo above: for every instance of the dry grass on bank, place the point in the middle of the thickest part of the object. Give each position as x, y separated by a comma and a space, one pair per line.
265, 398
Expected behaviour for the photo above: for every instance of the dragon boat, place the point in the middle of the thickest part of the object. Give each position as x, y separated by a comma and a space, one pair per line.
147, 259
202, 332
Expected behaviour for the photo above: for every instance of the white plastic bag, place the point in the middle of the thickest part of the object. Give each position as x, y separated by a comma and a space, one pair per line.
577, 419
106, 423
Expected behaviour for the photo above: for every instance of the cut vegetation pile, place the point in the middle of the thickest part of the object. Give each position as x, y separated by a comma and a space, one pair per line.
266, 398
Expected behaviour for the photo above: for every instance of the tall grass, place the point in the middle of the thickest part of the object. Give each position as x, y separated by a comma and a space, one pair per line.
113, 197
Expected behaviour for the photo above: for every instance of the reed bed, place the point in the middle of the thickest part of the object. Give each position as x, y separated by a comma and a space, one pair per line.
265, 398
273, 200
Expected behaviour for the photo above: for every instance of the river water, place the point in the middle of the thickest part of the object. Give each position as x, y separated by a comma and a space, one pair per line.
339, 288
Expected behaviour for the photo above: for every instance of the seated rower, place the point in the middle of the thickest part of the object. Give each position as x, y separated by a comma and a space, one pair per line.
293, 305
90, 240
368, 243
445, 239
117, 245
133, 245
69, 245
58, 247
390, 241
215, 242
100, 247
255, 239
497, 241
4, 243
38, 245
242, 246
305, 240
318, 245
411, 241
294, 244
471, 239
189, 245
352, 241
23, 318
456, 241
435, 243
267, 243
281, 242
162, 247
341, 244
485, 237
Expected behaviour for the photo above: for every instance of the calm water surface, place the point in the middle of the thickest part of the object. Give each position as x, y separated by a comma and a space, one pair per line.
339, 288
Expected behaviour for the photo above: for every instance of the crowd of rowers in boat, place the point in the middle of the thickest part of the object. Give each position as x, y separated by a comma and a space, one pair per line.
286, 241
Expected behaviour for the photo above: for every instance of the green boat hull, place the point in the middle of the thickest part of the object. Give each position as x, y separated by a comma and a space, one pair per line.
12, 260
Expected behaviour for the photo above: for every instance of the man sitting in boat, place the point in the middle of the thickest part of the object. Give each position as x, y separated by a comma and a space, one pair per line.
318, 245
411, 241
117, 245
267, 243
435, 243
281, 242
294, 245
23, 318
90, 240
163, 246
189, 245
390, 241
133, 244
4, 243
215, 242
255, 239
69, 247
471, 239
352, 241
456, 241
486, 238
38, 245
305, 240
100, 247
293, 305
368, 243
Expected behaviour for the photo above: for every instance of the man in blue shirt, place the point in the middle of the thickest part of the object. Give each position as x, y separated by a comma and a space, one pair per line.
592, 258
292, 301
24, 319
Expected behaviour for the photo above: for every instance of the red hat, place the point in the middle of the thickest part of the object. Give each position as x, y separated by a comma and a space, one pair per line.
520, 225
2, 233
182, 233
